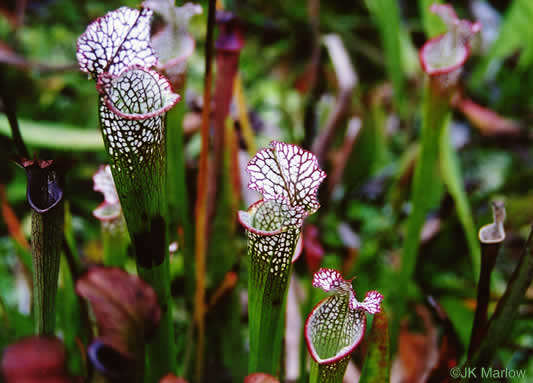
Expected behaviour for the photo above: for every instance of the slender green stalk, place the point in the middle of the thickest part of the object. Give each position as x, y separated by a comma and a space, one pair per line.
442, 59
160, 352
47, 239
451, 174
328, 373
426, 188
426, 185
114, 246
201, 207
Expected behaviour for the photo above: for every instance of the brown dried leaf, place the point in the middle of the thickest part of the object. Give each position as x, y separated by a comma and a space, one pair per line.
488, 122
418, 352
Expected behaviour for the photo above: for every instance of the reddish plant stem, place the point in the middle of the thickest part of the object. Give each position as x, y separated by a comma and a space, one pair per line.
228, 46
201, 199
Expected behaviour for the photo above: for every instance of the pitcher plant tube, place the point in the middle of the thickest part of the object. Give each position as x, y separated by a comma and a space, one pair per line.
491, 237
116, 51
336, 325
288, 177
442, 59
45, 196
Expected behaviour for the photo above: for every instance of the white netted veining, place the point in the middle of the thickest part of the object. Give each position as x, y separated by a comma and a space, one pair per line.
288, 174
116, 41
337, 324
137, 93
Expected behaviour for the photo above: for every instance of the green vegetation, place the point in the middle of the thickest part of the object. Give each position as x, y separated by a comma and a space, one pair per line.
219, 128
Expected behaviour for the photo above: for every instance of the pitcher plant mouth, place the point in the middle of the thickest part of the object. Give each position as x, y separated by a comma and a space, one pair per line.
45, 183
341, 353
337, 324
494, 232
268, 218
137, 93
447, 53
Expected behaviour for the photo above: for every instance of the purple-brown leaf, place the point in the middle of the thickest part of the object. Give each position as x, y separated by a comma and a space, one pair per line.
36, 360
125, 308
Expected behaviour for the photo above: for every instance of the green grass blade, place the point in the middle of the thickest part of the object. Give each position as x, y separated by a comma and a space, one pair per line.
426, 191
432, 23
386, 13
451, 174
58, 136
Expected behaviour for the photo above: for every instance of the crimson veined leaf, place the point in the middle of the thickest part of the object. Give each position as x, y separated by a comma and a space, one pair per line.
446, 54
116, 41
337, 324
288, 174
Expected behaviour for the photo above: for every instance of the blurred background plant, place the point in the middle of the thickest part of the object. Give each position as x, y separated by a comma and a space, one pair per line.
343, 77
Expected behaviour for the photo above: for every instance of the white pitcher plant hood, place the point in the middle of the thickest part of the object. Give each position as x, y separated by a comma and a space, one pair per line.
337, 324
445, 55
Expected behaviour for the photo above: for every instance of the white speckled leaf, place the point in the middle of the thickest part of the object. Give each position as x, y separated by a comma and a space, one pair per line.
116, 41
286, 173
